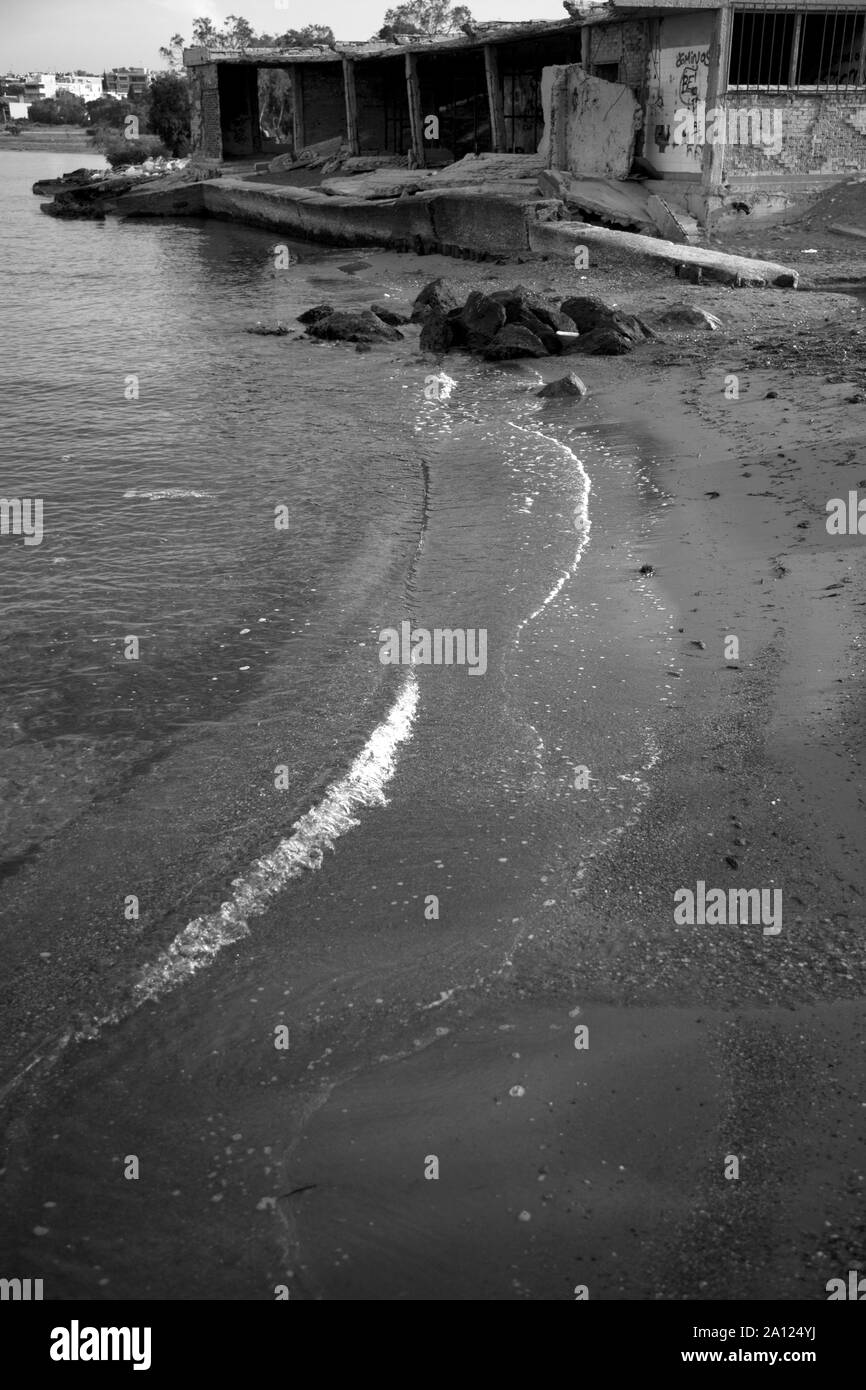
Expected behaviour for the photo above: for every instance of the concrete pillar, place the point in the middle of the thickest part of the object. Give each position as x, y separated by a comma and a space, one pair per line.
351, 105
713, 156
205, 124
558, 155
494, 99
416, 118
299, 139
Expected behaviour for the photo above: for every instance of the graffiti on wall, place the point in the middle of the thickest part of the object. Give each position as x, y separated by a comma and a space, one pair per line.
689, 63
680, 74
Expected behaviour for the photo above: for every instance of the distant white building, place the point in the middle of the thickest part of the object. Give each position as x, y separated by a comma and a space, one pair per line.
84, 85
39, 85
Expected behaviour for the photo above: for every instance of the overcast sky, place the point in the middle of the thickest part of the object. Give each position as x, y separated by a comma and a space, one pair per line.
57, 35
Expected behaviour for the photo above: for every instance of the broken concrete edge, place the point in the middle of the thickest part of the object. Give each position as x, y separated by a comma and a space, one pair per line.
465, 223
454, 222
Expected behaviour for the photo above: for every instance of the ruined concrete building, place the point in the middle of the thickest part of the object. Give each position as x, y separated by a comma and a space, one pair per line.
743, 103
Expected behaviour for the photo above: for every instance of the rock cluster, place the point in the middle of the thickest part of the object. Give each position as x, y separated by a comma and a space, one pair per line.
501, 326
519, 323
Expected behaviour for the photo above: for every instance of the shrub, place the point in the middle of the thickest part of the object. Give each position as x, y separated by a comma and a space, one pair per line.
64, 109
120, 152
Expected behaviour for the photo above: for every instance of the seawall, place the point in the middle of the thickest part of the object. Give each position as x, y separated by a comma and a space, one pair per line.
462, 223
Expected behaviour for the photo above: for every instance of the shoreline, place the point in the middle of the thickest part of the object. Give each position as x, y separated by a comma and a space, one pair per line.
41, 144
702, 1043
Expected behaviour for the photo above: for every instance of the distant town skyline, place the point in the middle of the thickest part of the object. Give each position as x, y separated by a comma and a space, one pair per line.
62, 35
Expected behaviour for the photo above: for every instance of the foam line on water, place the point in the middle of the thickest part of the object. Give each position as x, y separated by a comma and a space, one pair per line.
362, 786
582, 523
160, 494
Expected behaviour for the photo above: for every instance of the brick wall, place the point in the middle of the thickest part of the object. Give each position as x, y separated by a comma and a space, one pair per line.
624, 44
205, 133
324, 101
798, 134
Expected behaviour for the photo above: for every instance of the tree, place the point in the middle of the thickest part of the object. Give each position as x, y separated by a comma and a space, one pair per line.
173, 54
111, 113
425, 17
308, 37
237, 34
64, 109
168, 111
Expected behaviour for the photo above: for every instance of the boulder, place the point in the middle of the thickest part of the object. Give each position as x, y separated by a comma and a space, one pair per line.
585, 311
605, 342
591, 316
687, 316
566, 387
479, 321
521, 301
435, 295
354, 326
542, 330
318, 311
388, 315
512, 340
437, 335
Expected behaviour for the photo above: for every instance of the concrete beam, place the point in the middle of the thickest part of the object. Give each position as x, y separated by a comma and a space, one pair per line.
561, 238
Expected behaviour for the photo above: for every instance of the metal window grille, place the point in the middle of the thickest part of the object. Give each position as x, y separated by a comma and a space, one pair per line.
782, 47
